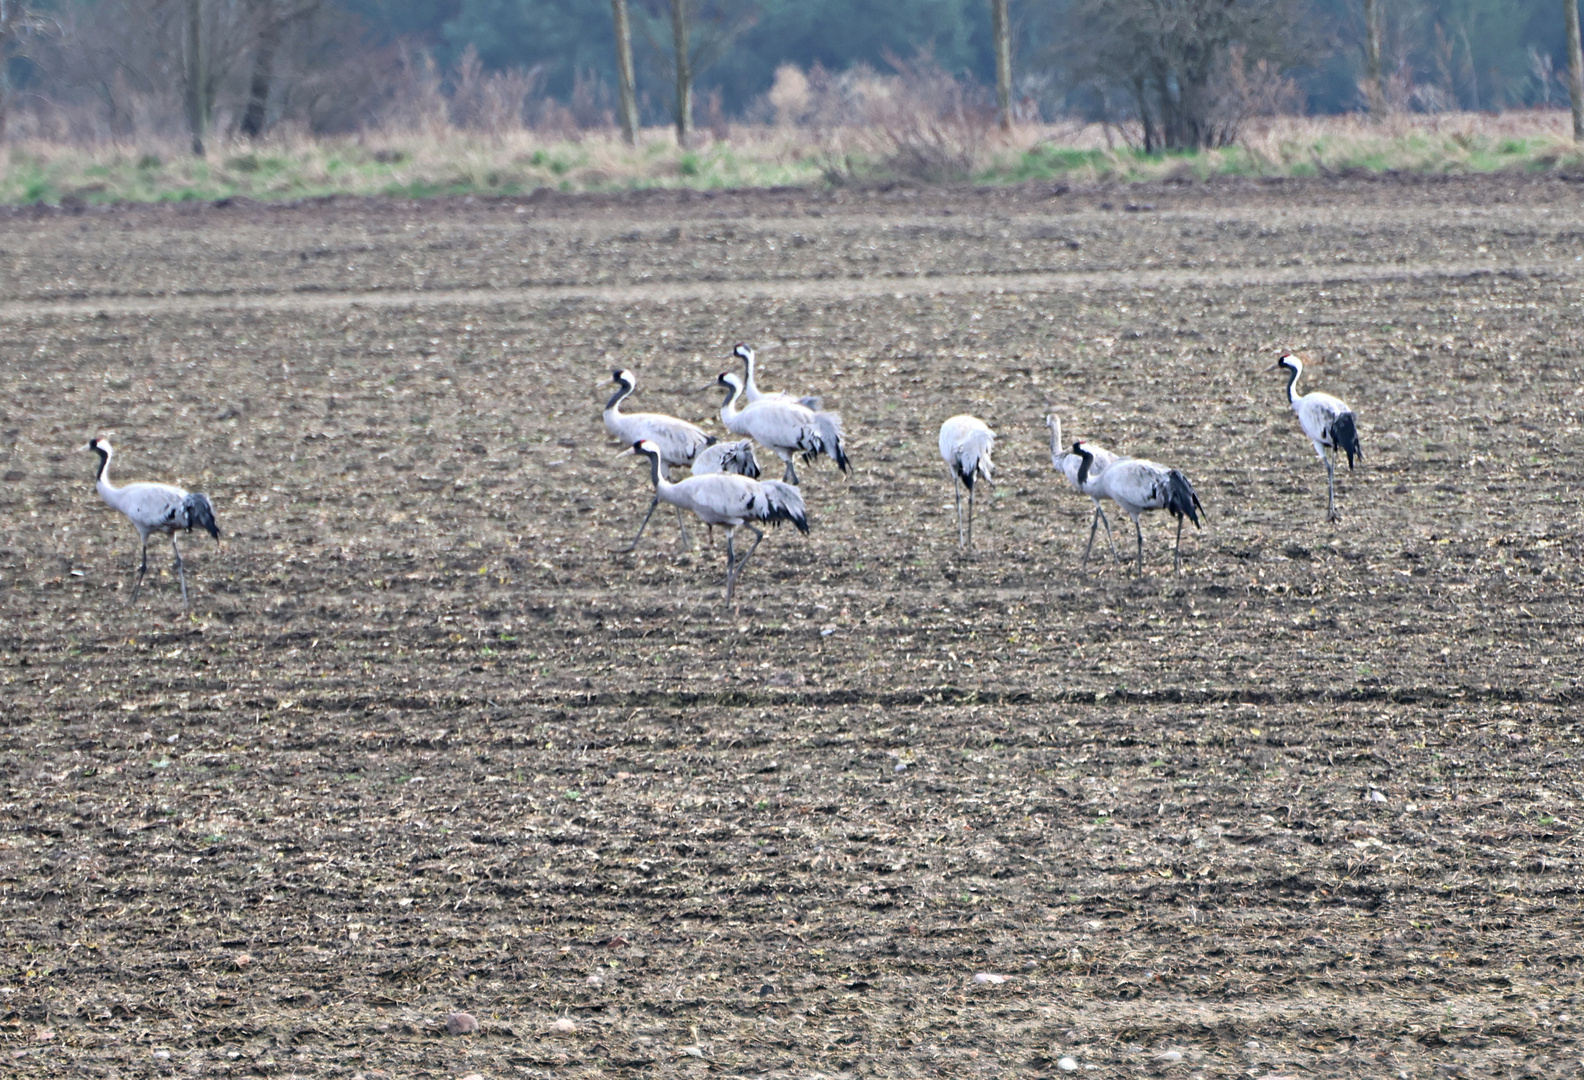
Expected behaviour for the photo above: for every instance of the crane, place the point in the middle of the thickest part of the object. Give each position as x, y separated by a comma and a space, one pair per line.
785, 427
1067, 463
751, 391
736, 458
1328, 422
1137, 485
728, 500
679, 443
965, 445
154, 508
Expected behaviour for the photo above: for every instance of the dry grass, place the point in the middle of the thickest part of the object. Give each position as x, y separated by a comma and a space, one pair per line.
441, 159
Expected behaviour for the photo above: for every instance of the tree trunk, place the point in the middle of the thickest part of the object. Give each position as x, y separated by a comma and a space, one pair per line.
197, 97
1575, 67
1374, 90
263, 74
684, 71
626, 90
1001, 30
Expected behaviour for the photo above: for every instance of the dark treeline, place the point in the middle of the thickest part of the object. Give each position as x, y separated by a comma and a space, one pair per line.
337, 65
1478, 54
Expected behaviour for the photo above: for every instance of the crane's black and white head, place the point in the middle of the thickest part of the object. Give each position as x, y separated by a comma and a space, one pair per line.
744, 353
102, 448
1288, 362
643, 448
625, 379
732, 382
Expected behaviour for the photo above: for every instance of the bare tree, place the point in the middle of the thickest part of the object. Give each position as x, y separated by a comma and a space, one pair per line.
272, 19
197, 81
1374, 90
1185, 63
627, 96
17, 20
682, 61
1570, 14
1001, 30
699, 32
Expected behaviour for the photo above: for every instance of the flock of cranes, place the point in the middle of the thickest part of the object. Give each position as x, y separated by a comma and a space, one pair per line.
724, 487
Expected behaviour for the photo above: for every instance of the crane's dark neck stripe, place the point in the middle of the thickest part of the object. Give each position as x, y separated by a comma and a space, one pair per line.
654, 467
1292, 380
104, 461
1083, 466
623, 388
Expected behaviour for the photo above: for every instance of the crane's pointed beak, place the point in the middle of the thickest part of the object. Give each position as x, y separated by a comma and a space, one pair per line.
627, 452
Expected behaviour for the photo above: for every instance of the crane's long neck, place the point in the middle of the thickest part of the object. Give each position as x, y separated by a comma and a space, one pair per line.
1083, 467
102, 477
611, 406
662, 483
1294, 369
749, 385
728, 409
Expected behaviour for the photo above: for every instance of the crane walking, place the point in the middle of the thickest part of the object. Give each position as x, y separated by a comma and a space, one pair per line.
1137, 485
154, 508
1068, 463
751, 391
678, 442
965, 445
1328, 422
785, 427
731, 501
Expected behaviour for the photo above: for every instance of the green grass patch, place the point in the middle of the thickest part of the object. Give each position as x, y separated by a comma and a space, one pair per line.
417, 166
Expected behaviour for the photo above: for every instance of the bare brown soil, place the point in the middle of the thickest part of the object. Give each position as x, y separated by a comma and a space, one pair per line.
428, 743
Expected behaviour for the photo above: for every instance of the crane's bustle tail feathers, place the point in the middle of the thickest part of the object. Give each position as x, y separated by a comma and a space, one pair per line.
782, 502
973, 457
830, 433
734, 457
738, 457
197, 511
1344, 434
1180, 498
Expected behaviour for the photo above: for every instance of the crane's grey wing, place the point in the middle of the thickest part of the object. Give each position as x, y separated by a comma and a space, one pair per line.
813, 402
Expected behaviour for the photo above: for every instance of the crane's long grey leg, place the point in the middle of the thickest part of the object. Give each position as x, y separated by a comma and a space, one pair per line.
1094, 523
735, 572
138, 584
645, 523
957, 495
1109, 538
731, 560
1139, 567
687, 541
181, 573
1331, 510
970, 518
1177, 555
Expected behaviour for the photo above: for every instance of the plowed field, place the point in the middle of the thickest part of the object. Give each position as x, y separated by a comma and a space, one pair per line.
428, 741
